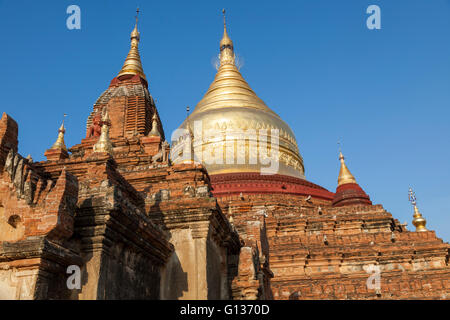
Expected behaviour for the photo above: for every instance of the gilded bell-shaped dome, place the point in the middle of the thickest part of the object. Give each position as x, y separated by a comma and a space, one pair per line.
234, 130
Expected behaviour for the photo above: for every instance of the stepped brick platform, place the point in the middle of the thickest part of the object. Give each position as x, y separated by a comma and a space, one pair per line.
316, 251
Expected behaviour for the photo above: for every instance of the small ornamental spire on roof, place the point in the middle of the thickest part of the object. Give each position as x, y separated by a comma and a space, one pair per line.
419, 222
345, 175
154, 132
104, 144
59, 143
133, 65
226, 46
348, 192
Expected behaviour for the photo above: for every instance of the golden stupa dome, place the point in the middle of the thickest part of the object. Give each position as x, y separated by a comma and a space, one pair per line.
234, 129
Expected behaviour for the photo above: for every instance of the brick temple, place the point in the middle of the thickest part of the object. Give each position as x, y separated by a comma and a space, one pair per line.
146, 218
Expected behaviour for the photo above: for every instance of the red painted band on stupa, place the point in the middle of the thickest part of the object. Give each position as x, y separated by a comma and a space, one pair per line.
349, 194
255, 183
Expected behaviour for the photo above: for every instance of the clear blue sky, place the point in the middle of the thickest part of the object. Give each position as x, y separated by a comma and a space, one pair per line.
385, 92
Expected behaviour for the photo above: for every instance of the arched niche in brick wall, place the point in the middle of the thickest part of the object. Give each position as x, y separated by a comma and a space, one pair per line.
11, 225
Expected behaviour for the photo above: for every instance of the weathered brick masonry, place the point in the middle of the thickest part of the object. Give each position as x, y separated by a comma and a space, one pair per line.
317, 251
141, 227
137, 226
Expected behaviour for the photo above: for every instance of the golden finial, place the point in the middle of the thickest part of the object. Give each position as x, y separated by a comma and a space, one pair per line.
224, 20
133, 63
135, 32
344, 174
59, 144
154, 132
104, 144
226, 45
418, 221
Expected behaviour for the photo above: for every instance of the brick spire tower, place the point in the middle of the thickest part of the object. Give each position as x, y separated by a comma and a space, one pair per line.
348, 191
130, 106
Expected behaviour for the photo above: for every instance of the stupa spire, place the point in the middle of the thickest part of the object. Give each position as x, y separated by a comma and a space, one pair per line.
133, 65
104, 143
226, 45
59, 143
348, 192
58, 150
231, 103
154, 132
418, 220
345, 175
